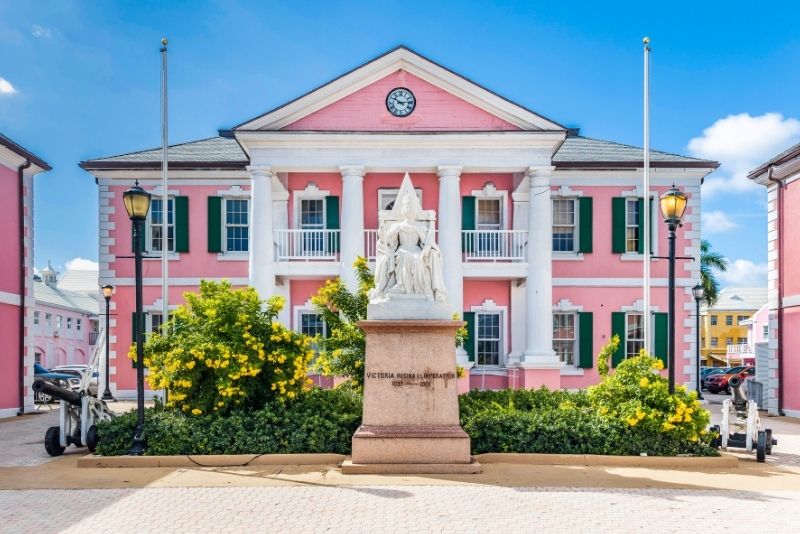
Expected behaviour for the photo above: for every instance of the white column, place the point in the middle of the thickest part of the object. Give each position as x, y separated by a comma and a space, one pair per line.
449, 240
351, 235
262, 242
539, 285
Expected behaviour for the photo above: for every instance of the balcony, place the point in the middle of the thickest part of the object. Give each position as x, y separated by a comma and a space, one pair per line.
741, 350
487, 246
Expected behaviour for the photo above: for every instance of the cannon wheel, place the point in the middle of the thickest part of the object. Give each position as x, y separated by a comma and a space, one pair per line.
91, 438
761, 446
769, 440
51, 442
717, 440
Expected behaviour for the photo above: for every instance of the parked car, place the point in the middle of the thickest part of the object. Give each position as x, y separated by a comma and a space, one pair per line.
76, 373
708, 372
719, 382
59, 379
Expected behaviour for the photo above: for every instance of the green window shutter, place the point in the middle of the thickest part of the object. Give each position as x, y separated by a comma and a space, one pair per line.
332, 222
182, 224
586, 332
661, 340
618, 328
618, 225
467, 221
469, 344
585, 212
215, 224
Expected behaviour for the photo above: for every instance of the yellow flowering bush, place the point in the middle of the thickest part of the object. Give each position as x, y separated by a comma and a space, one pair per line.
637, 395
224, 350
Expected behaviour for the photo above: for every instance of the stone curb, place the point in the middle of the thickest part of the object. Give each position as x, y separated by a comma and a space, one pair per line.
675, 462
210, 460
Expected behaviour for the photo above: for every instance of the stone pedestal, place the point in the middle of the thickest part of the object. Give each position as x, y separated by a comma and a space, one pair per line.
410, 422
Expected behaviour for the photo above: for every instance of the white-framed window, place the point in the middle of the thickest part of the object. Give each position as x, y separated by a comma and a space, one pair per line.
632, 217
36, 317
565, 236
48, 319
714, 342
729, 320
78, 325
713, 320
236, 221
153, 321
69, 323
634, 334
311, 324
488, 222
488, 338
37, 357
740, 318
741, 340
59, 321
765, 331
564, 337
155, 225
312, 217
728, 341
386, 197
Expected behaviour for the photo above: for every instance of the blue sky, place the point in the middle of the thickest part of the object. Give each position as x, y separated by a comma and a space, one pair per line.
81, 79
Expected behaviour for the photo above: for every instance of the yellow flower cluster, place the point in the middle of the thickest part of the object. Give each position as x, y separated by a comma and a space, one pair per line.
682, 414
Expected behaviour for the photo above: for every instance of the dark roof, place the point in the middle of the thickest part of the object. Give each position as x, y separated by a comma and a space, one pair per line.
27, 154
582, 152
214, 152
781, 158
400, 47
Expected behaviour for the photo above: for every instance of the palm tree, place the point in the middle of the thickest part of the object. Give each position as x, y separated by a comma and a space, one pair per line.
708, 262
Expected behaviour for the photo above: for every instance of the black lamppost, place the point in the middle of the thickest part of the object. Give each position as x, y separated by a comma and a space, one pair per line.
673, 204
108, 290
698, 292
137, 203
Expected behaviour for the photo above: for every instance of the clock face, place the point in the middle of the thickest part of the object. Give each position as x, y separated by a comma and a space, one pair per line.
400, 102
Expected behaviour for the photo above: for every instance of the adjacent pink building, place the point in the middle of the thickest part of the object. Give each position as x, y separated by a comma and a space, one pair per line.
540, 228
780, 176
65, 323
18, 166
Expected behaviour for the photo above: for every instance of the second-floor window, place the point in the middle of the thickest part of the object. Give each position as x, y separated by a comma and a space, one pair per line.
564, 234
729, 320
48, 318
69, 323
489, 221
59, 320
742, 341
78, 325
632, 225
237, 232
765, 331
740, 318
156, 228
312, 217
36, 317
713, 320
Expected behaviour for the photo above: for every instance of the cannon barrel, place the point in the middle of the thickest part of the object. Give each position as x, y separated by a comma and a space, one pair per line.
738, 391
48, 388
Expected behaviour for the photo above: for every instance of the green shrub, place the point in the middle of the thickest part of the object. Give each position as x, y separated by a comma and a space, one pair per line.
224, 351
320, 421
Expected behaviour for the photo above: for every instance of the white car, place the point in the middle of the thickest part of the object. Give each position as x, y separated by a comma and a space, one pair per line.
78, 371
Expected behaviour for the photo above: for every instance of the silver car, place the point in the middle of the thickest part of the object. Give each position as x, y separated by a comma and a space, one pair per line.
78, 371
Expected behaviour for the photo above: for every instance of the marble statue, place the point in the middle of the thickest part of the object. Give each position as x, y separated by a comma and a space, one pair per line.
408, 261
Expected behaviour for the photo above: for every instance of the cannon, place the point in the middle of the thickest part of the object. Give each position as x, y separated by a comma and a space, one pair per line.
742, 413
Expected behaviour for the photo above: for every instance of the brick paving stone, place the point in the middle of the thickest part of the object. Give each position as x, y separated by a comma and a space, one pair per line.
390, 509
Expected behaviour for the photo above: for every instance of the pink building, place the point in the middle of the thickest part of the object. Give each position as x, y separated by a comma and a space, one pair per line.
780, 175
64, 321
540, 228
17, 169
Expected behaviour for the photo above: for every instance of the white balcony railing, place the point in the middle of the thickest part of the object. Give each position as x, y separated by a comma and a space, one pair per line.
740, 349
307, 245
370, 244
494, 245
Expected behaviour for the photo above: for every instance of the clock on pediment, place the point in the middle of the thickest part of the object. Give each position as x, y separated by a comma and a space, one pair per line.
400, 102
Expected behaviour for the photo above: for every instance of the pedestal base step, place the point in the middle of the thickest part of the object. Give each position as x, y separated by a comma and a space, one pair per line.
445, 444
471, 468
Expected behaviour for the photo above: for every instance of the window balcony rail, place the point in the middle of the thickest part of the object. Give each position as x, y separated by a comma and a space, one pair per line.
494, 245
307, 245
370, 244
740, 349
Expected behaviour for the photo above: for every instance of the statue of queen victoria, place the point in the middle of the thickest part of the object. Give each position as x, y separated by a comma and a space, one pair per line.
408, 263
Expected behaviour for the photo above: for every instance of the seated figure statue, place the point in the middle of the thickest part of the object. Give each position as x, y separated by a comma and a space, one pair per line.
408, 260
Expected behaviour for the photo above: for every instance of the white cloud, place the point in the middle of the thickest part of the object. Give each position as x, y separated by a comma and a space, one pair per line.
741, 143
40, 32
744, 273
82, 264
715, 222
6, 88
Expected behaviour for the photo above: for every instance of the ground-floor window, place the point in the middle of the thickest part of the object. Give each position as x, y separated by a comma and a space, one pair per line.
634, 334
488, 338
564, 337
37, 357
311, 324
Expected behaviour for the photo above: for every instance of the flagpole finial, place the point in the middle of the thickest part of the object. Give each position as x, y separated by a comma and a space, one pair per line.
646, 41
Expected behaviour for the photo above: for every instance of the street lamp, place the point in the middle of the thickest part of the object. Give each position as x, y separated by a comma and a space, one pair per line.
673, 204
698, 292
137, 203
108, 290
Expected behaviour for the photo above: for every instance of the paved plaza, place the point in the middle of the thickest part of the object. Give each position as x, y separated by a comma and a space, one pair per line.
39, 494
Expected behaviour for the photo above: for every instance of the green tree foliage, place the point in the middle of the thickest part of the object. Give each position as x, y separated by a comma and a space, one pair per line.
709, 262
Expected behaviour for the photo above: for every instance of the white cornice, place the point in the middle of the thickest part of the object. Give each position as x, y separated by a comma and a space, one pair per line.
408, 61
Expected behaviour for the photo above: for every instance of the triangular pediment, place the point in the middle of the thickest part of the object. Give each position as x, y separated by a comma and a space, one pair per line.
483, 109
